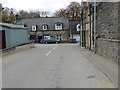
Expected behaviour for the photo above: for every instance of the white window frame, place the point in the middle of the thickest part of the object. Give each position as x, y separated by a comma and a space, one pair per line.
45, 27
34, 28
78, 27
58, 26
46, 37
22, 25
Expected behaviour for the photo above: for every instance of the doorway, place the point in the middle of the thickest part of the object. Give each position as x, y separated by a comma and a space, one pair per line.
39, 38
2, 40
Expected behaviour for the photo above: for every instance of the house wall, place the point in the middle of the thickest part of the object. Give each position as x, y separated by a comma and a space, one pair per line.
87, 29
108, 37
63, 33
107, 29
107, 20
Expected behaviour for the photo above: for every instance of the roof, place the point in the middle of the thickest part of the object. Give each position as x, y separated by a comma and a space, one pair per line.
73, 27
39, 22
11, 25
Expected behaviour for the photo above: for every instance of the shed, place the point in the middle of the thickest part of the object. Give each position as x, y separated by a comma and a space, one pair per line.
12, 35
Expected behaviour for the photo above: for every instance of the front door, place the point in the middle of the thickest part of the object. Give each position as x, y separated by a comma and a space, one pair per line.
2, 39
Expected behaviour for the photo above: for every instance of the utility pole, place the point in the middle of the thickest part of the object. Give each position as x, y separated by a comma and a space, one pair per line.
94, 26
81, 40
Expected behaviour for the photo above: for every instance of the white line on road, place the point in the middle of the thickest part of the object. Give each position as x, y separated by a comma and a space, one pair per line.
48, 53
51, 50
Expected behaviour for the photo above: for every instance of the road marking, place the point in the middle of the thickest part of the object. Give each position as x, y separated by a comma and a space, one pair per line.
48, 53
51, 50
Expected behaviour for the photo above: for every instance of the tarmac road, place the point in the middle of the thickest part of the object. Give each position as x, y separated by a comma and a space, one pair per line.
52, 66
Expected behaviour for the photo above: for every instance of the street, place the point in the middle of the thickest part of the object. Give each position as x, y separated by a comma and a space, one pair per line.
52, 66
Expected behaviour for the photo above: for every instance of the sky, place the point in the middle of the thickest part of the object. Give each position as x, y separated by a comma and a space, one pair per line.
42, 5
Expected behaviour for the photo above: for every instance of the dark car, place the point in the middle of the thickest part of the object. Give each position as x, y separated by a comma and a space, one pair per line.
51, 40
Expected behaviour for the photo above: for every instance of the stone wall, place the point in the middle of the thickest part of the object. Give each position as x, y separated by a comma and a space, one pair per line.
107, 20
63, 33
108, 35
109, 48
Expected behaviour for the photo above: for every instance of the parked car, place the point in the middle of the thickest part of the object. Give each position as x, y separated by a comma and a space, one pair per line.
51, 40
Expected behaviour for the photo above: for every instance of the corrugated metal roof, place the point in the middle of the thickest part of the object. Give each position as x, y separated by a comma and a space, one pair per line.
12, 25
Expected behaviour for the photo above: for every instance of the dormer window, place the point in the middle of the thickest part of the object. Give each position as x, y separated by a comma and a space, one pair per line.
33, 28
78, 27
58, 26
22, 25
45, 27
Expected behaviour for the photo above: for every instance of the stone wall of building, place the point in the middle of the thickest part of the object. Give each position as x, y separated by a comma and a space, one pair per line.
62, 33
109, 48
108, 37
107, 20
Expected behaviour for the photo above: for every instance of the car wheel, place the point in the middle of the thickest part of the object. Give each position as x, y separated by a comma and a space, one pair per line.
56, 42
46, 42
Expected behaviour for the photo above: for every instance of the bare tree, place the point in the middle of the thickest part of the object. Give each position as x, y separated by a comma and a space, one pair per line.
44, 13
32, 14
7, 15
72, 11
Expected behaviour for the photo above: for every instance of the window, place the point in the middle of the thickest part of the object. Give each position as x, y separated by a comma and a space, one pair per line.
22, 24
78, 27
58, 37
58, 26
45, 27
33, 28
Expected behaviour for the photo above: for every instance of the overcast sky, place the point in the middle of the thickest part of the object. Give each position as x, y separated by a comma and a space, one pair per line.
43, 5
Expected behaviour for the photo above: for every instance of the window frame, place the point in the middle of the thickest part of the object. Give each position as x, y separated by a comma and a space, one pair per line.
58, 26
78, 27
44, 27
34, 28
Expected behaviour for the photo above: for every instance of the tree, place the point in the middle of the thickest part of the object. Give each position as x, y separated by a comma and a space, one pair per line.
23, 14
7, 15
32, 14
1, 8
4, 17
60, 13
72, 11
11, 18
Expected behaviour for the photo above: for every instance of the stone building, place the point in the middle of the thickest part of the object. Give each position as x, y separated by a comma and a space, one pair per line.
86, 33
41, 28
100, 32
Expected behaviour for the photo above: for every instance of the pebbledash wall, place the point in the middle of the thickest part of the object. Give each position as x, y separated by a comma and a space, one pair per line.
108, 33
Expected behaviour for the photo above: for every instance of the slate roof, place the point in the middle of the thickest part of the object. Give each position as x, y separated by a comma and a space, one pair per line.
73, 27
50, 21
11, 25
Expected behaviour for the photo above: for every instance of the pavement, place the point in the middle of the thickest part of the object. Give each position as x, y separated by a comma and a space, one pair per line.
104, 64
52, 66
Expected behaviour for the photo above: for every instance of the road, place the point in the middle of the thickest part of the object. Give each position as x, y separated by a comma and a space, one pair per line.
52, 66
